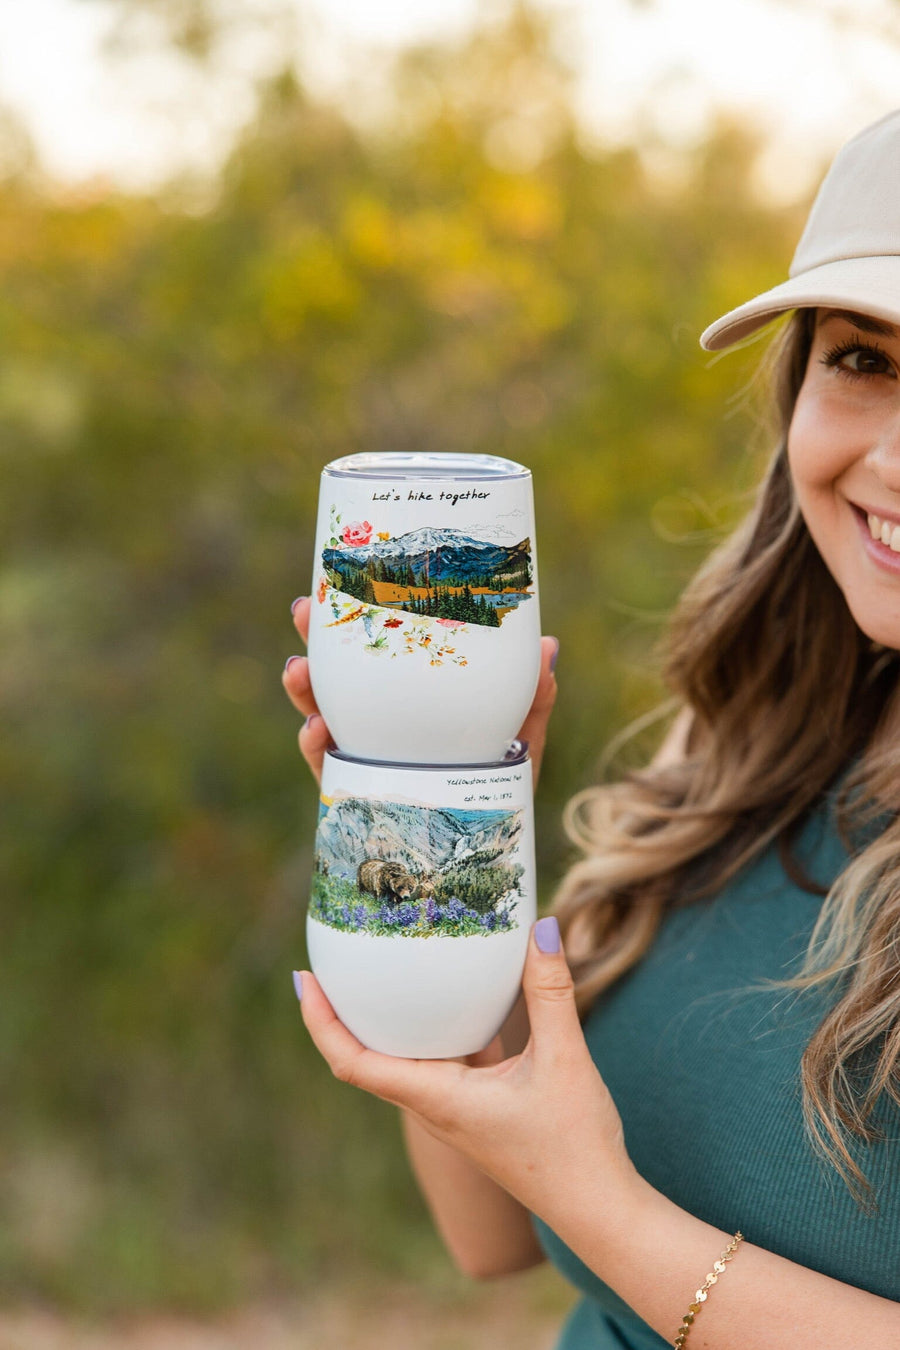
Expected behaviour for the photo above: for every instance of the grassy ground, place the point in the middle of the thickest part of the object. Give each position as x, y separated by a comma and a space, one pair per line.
525, 1311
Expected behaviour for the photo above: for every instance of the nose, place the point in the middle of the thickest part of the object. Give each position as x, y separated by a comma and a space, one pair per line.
883, 458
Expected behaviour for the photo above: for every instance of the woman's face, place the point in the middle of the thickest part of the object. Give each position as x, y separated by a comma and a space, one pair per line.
844, 453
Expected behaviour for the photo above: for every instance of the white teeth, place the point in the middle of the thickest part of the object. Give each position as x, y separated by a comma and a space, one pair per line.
885, 531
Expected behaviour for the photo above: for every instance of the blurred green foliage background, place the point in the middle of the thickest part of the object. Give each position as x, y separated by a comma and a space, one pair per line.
172, 381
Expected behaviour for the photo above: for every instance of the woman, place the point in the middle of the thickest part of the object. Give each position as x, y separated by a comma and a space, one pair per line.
734, 929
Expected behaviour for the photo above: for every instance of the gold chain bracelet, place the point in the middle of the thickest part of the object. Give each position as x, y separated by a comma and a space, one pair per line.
703, 1292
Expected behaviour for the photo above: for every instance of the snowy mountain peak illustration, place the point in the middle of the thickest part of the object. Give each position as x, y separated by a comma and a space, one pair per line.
415, 542
439, 555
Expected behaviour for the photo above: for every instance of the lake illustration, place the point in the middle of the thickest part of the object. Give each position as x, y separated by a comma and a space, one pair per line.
393, 868
433, 573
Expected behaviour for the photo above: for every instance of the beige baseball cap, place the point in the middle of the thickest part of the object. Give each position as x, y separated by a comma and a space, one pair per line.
849, 254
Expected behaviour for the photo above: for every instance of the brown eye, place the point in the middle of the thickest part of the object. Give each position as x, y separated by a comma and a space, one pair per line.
866, 361
856, 359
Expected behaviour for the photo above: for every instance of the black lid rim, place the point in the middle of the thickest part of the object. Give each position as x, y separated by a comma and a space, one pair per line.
517, 754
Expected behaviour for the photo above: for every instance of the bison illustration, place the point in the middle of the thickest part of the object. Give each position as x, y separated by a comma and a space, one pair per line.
386, 880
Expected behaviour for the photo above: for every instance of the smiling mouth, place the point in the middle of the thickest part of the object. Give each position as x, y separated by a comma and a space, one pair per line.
884, 531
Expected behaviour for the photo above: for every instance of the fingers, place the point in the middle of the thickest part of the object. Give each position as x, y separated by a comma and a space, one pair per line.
300, 610
534, 728
297, 686
421, 1086
295, 677
344, 1053
314, 740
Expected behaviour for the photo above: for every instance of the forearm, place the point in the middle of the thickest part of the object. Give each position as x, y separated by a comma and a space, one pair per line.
485, 1230
543, 1126
656, 1255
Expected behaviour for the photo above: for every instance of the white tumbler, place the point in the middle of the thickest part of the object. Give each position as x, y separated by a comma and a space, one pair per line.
424, 633
422, 900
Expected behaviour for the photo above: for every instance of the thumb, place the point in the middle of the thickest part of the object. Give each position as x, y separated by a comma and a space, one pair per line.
548, 988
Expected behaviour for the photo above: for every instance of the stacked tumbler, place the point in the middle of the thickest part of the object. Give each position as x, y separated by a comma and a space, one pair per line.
424, 656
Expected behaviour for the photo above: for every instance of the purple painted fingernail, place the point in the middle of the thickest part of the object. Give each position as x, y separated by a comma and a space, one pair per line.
289, 660
554, 656
313, 717
295, 603
546, 934
298, 984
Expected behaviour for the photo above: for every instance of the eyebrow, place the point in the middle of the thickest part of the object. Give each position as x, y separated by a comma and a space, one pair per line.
866, 322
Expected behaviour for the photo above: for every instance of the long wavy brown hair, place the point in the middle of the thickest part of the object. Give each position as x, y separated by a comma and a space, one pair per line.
780, 696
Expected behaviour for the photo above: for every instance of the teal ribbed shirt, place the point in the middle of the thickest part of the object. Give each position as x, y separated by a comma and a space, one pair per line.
704, 1066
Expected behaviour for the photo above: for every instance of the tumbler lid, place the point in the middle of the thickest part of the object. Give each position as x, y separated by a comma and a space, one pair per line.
425, 464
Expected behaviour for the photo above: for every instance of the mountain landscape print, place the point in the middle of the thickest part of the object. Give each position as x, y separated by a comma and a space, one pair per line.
391, 868
438, 573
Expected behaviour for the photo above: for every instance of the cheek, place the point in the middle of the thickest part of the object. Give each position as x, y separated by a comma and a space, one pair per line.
817, 460
817, 446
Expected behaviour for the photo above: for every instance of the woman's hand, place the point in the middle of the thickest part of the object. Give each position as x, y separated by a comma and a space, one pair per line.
315, 737
543, 1126
529, 1121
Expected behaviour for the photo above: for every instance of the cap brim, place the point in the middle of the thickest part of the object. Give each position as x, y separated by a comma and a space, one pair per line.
868, 285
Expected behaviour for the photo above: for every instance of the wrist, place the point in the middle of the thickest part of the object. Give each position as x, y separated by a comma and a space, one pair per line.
607, 1213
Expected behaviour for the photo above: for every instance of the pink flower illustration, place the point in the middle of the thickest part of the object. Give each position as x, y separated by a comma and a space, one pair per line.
450, 623
357, 533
